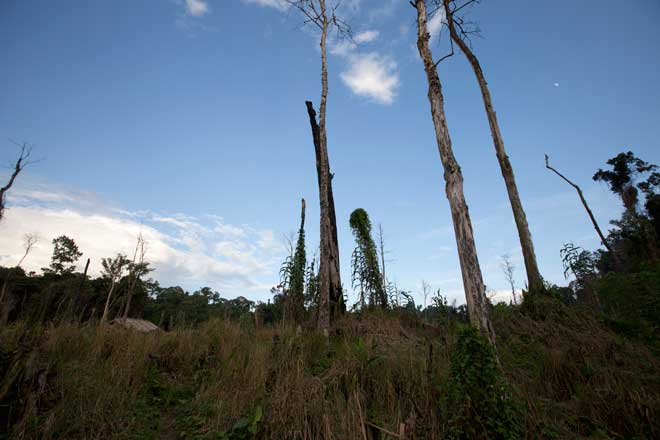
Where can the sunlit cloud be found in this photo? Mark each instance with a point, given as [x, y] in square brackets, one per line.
[185, 250]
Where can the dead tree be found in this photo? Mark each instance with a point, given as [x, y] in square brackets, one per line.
[586, 207]
[459, 31]
[381, 246]
[475, 291]
[21, 163]
[323, 17]
[137, 267]
[29, 240]
[508, 268]
[113, 268]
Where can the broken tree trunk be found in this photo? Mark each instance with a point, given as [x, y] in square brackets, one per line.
[475, 292]
[586, 207]
[329, 279]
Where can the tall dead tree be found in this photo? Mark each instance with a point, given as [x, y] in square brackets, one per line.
[21, 162]
[586, 207]
[460, 35]
[475, 291]
[322, 16]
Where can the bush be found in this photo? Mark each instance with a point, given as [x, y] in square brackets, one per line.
[478, 401]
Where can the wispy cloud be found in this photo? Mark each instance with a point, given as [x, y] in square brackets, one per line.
[281, 5]
[345, 47]
[185, 250]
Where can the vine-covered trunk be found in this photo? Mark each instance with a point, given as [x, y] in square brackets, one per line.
[475, 292]
[527, 245]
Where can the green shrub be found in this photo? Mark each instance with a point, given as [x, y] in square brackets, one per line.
[478, 401]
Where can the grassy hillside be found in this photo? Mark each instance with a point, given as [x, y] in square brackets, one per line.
[568, 374]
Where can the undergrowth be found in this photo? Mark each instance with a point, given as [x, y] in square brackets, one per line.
[563, 374]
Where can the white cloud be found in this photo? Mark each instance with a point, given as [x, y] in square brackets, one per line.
[281, 5]
[238, 260]
[366, 36]
[196, 8]
[345, 47]
[373, 76]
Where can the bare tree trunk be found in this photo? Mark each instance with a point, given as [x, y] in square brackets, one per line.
[382, 255]
[330, 293]
[586, 207]
[534, 278]
[473, 284]
[104, 317]
[135, 275]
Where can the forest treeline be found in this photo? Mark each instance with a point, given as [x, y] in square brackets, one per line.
[575, 361]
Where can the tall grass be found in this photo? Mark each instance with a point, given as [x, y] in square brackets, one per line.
[571, 376]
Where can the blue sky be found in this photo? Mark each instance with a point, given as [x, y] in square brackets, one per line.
[185, 119]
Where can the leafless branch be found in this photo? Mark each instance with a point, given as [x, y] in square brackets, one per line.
[29, 240]
[586, 207]
[21, 163]
[318, 15]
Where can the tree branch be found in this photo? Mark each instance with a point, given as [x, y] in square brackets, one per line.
[21, 163]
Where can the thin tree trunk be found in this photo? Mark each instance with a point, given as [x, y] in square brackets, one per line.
[299, 300]
[586, 207]
[139, 247]
[107, 302]
[82, 282]
[382, 256]
[330, 294]
[473, 284]
[535, 281]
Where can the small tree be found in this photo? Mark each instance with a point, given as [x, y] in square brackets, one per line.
[65, 254]
[113, 270]
[136, 269]
[29, 240]
[293, 275]
[508, 268]
[365, 259]
[426, 291]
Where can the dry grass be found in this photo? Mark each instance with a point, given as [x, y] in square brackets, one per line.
[575, 380]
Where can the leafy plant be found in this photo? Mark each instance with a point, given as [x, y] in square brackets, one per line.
[478, 402]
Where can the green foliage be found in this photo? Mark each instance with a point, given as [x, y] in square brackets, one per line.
[113, 268]
[65, 254]
[478, 402]
[631, 304]
[625, 169]
[245, 428]
[577, 261]
[366, 271]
